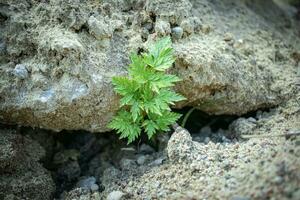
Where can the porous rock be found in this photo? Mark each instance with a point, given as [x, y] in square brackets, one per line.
[21, 174]
[72, 49]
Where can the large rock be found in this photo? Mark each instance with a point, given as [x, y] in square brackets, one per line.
[57, 59]
[21, 174]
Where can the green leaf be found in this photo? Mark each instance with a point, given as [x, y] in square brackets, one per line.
[150, 127]
[161, 80]
[125, 86]
[167, 119]
[135, 111]
[160, 55]
[125, 126]
[145, 94]
[126, 100]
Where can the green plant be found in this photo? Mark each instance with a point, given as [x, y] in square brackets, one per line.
[146, 93]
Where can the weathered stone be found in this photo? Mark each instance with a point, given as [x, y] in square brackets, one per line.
[21, 174]
[72, 49]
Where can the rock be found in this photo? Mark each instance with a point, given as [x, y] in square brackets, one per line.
[146, 149]
[127, 164]
[87, 183]
[228, 37]
[99, 28]
[20, 71]
[157, 162]
[65, 156]
[187, 26]
[21, 174]
[69, 172]
[10, 157]
[115, 195]
[141, 160]
[240, 198]
[75, 48]
[81, 194]
[242, 126]
[177, 32]
[94, 187]
[180, 145]
[162, 28]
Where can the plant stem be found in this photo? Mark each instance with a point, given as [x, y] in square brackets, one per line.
[187, 116]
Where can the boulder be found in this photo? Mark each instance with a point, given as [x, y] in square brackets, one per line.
[57, 59]
[21, 174]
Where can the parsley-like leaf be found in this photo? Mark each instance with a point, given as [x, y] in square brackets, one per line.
[146, 95]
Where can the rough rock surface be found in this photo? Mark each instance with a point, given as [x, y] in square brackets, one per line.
[257, 168]
[21, 174]
[57, 57]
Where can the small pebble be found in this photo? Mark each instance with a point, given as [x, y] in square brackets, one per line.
[240, 198]
[157, 162]
[206, 140]
[115, 195]
[87, 183]
[177, 32]
[141, 160]
[94, 188]
[146, 149]
[228, 37]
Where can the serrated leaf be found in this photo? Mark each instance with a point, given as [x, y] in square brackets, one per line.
[160, 55]
[146, 94]
[124, 86]
[135, 111]
[125, 126]
[160, 80]
[150, 127]
[126, 100]
[167, 119]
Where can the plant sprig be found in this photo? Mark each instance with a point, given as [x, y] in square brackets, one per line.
[146, 93]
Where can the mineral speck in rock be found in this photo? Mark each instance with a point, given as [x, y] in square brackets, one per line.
[115, 195]
[45, 96]
[20, 71]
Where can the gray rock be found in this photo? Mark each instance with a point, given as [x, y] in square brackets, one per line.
[87, 183]
[187, 26]
[94, 187]
[127, 164]
[115, 195]
[146, 149]
[99, 28]
[162, 28]
[240, 198]
[177, 32]
[157, 162]
[2, 47]
[20, 71]
[242, 126]
[21, 174]
[141, 160]
[78, 65]
[180, 146]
